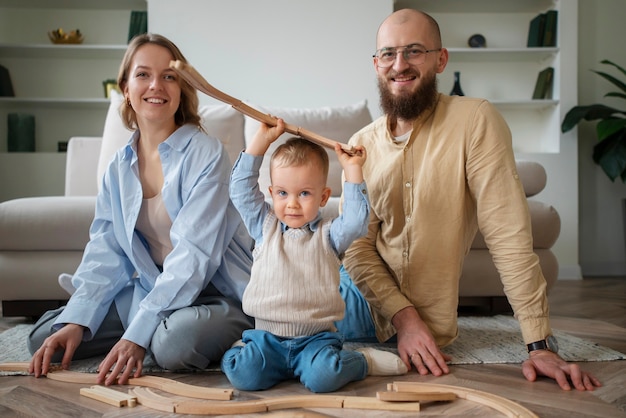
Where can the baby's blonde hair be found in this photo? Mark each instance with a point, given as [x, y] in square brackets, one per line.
[298, 152]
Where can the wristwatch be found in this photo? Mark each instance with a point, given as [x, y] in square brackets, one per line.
[550, 344]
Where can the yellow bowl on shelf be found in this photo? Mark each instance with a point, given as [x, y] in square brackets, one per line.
[59, 36]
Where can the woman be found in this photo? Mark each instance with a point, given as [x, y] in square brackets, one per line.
[168, 257]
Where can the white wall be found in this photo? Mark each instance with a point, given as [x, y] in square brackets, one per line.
[601, 36]
[318, 53]
[279, 52]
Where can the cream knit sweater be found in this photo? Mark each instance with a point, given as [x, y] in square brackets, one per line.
[294, 283]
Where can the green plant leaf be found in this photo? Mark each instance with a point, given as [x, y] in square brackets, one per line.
[614, 65]
[591, 112]
[610, 154]
[606, 128]
[611, 79]
[616, 94]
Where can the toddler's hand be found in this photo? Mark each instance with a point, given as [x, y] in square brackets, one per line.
[264, 137]
[352, 163]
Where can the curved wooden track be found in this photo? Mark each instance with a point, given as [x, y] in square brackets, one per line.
[155, 382]
[511, 409]
[215, 401]
[193, 77]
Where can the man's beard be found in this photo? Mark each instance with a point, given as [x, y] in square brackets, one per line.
[410, 105]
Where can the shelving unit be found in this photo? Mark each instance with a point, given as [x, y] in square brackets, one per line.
[60, 84]
[505, 71]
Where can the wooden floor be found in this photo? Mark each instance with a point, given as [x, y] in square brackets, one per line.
[594, 309]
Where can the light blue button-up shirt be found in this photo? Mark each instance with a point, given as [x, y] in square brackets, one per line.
[210, 243]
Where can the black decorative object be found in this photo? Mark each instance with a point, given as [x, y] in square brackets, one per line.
[21, 132]
[456, 89]
[6, 87]
[477, 41]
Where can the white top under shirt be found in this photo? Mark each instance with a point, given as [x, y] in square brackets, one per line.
[403, 138]
[154, 224]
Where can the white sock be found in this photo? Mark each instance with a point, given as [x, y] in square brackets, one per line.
[65, 280]
[238, 343]
[382, 363]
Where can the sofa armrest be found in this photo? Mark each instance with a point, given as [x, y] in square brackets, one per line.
[51, 223]
[82, 165]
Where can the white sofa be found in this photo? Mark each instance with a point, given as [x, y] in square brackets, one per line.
[41, 237]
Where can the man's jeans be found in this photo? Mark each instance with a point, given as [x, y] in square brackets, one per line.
[357, 324]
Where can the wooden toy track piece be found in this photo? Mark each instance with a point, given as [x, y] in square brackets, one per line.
[110, 396]
[193, 77]
[505, 406]
[393, 396]
[150, 399]
[155, 382]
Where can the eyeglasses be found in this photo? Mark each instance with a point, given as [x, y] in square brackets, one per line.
[413, 54]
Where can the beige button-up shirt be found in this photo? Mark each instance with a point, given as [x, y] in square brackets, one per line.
[428, 195]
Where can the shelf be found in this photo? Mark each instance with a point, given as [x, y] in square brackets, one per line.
[30, 154]
[476, 6]
[86, 51]
[502, 54]
[525, 104]
[92, 103]
[76, 4]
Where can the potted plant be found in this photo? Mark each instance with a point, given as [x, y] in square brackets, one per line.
[610, 151]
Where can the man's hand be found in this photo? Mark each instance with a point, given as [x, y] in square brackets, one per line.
[549, 364]
[124, 357]
[67, 338]
[416, 344]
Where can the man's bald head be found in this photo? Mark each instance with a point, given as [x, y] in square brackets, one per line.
[410, 17]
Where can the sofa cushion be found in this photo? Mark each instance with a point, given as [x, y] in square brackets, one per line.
[218, 120]
[48, 223]
[532, 175]
[337, 123]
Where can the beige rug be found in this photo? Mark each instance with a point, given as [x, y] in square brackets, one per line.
[482, 340]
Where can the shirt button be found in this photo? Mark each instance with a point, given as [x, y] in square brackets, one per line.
[408, 219]
[405, 254]
[407, 184]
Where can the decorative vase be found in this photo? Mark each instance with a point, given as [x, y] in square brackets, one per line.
[456, 89]
[21, 132]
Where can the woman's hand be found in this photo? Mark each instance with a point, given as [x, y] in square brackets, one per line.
[68, 338]
[124, 357]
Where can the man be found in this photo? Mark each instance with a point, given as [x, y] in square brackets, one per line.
[439, 167]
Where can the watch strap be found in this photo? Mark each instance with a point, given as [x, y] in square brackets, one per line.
[538, 345]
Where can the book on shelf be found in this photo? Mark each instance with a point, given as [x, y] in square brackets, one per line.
[549, 32]
[138, 23]
[535, 30]
[543, 86]
[542, 29]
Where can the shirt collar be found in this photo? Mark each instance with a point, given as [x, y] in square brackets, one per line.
[312, 226]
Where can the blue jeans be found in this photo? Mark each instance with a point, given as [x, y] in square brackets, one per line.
[357, 324]
[318, 360]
